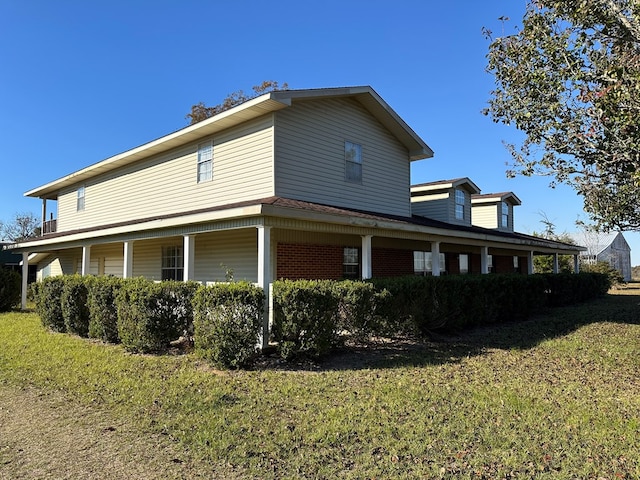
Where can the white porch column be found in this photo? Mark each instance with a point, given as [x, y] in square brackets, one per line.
[484, 260]
[44, 216]
[367, 266]
[127, 267]
[189, 257]
[530, 263]
[556, 263]
[86, 259]
[264, 280]
[576, 264]
[435, 259]
[25, 277]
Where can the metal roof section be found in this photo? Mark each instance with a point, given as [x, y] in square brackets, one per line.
[254, 108]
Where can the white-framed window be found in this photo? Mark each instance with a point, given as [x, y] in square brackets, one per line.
[172, 263]
[505, 215]
[351, 263]
[205, 162]
[353, 162]
[460, 203]
[463, 261]
[490, 263]
[423, 263]
[80, 199]
[516, 263]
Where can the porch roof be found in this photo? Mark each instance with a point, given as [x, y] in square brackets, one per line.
[286, 208]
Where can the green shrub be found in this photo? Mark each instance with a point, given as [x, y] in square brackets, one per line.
[103, 313]
[614, 275]
[33, 290]
[228, 323]
[10, 289]
[305, 317]
[49, 303]
[151, 315]
[361, 308]
[73, 303]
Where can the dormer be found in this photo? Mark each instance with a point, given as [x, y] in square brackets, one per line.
[445, 200]
[494, 210]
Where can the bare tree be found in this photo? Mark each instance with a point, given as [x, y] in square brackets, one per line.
[201, 112]
[23, 226]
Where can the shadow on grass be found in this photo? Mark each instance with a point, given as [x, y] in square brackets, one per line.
[443, 349]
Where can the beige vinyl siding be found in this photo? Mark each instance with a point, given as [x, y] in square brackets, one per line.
[63, 262]
[107, 259]
[214, 253]
[166, 183]
[310, 157]
[436, 206]
[236, 250]
[485, 216]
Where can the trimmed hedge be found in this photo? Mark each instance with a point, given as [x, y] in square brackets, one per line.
[310, 317]
[49, 303]
[73, 303]
[228, 323]
[361, 309]
[305, 317]
[151, 315]
[103, 312]
[10, 289]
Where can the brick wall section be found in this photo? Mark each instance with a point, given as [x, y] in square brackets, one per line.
[503, 264]
[390, 262]
[309, 262]
[324, 262]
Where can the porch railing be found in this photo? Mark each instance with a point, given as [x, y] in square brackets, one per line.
[50, 226]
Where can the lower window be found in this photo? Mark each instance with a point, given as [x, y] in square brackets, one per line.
[423, 263]
[172, 263]
[351, 263]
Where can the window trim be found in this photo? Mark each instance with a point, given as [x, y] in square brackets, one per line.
[175, 254]
[504, 222]
[349, 163]
[81, 194]
[460, 214]
[466, 256]
[349, 251]
[204, 168]
[427, 263]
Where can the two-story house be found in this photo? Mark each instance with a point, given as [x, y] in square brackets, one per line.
[291, 184]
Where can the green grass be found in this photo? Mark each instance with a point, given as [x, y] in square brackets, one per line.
[558, 397]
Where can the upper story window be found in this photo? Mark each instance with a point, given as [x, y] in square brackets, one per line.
[353, 161]
[505, 215]
[460, 204]
[80, 199]
[172, 263]
[205, 162]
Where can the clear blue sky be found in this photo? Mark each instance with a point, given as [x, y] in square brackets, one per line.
[81, 81]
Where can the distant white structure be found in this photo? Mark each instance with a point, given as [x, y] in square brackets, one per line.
[605, 247]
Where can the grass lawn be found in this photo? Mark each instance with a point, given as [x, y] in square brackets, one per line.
[555, 397]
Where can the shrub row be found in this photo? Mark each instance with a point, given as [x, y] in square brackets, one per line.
[10, 287]
[309, 316]
[146, 316]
